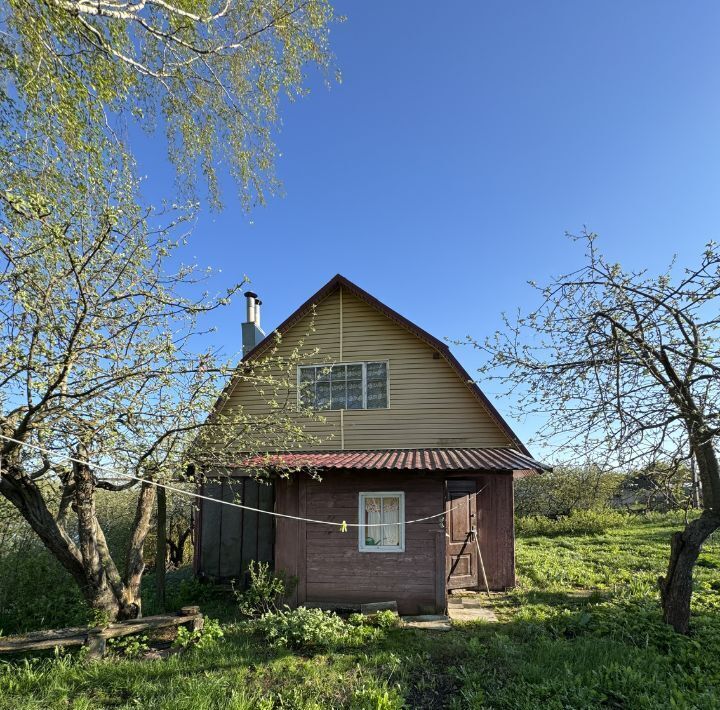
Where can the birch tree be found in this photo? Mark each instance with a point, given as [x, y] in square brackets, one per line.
[209, 74]
[624, 367]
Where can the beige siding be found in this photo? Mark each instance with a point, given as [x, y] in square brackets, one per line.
[429, 405]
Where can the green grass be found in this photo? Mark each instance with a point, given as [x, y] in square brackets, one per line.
[582, 630]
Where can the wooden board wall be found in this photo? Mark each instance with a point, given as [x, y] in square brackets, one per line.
[231, 537]
[496, 528]
[328, 563]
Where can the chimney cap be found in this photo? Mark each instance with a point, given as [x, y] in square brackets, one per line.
[250, 294]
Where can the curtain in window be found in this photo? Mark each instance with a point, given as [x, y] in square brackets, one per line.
[373, 517]
[390, 515]
[376, 381]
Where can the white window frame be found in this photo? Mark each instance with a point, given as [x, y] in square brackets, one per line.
[362, 547]
[364, 364]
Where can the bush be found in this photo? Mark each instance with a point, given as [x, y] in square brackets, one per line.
[309, 629]
[385, 619]
[579, 522]
[265, 590]
[134, 646]
[201, 638]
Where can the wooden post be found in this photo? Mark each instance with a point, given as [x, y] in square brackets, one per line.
[440, 571]
[95, 644]
[160, 552]
[197, 621]
[480, 560]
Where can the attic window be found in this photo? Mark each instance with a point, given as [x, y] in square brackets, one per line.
[353, 385]
[382, 522]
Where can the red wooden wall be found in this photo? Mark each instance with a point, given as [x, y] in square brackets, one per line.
[329, 566]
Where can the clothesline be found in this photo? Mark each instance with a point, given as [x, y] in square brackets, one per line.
[342, 525]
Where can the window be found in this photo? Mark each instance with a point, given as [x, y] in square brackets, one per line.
[382, 522]
[357, 385]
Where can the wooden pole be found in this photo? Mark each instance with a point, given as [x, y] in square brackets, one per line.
[160, 549]
[482, 564]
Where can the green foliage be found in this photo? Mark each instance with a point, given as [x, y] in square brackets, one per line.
[134, 646]
[308, 629]
[211, 75]
[266, 590]
[565, 489]
[579, 522]
[202, 638]
[386, 619]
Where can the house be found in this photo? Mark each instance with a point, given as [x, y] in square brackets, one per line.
[407, 435]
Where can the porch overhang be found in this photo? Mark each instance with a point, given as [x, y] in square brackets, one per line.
[445, 459]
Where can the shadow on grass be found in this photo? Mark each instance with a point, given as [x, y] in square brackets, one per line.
[554, 648]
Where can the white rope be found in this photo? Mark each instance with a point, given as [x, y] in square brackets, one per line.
[180, 491]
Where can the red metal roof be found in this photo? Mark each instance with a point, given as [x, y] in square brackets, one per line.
[504, 459]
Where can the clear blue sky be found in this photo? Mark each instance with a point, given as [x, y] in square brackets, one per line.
[465, 139]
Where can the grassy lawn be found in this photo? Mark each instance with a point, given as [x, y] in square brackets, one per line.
[582, 630]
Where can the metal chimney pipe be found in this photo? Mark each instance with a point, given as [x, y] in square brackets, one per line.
[258, 303]
[251, 306]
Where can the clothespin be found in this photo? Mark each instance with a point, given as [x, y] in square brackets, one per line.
[343, 527]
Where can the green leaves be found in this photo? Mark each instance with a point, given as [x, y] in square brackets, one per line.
[210, 76]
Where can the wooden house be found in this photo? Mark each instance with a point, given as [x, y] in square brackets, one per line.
[407, 435]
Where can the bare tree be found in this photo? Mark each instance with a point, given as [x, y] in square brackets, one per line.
[626, 367]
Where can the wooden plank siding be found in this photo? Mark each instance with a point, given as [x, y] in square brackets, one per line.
[230, 537]
[328, 563]
[429, 405]
[496, 528]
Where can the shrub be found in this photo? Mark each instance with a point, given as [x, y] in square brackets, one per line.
[200, 638]
[130, 646]
[265, 590]
[579, 522]
[309, 629]
[385, 619]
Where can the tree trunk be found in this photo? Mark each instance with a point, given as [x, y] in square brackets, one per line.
[88, 560]
[161, 548]
[134, 563]
[103, 588]
[676, 586]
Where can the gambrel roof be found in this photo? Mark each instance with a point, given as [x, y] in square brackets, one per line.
[440, 347]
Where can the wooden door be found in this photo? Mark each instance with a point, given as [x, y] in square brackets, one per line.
[462, 562]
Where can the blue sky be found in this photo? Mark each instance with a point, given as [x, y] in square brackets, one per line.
[465, 139]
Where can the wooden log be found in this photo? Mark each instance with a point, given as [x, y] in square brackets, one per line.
[41, 640]
[79, 636]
